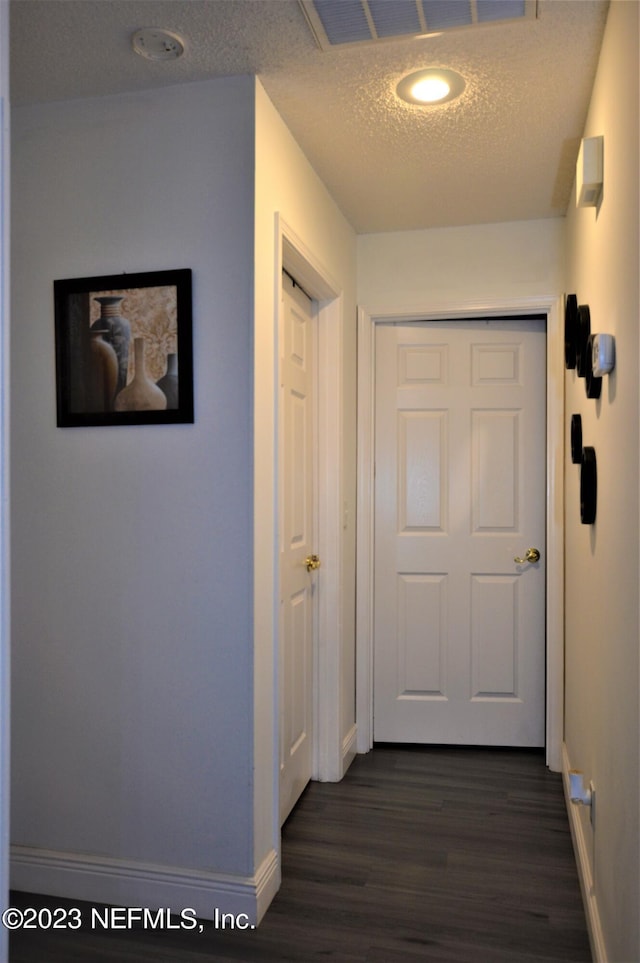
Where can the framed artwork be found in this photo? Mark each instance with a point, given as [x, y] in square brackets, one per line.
[124, 349]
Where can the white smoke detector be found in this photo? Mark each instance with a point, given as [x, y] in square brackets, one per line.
[154, 43]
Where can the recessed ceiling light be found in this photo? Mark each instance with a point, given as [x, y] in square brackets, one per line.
[155, 43]
[430, 87]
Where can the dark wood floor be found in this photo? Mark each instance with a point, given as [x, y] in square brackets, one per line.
[445, 855]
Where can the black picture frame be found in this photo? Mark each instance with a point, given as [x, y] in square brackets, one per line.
[576, 439]
[99, 322]
[570, 330]
[583, 357]
[588, 486]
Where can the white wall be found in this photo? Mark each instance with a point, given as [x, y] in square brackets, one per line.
[602, 568]
[401, 272]
[138, 650]
[132, 621]
[287, 185]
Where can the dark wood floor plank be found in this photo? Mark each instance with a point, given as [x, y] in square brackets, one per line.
[432, 854]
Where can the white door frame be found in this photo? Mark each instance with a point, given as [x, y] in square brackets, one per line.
[4, 471]
[296, 258]
[550, 306]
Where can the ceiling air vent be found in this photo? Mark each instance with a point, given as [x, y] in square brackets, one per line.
[335, 22]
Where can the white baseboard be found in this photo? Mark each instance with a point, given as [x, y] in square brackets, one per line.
[122, 883]
[596, 938]
[267, 883]
[349, 748]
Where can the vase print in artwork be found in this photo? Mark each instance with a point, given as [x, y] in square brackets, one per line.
[102, 382]
[118, 332]
[141, 394]
[169, 382]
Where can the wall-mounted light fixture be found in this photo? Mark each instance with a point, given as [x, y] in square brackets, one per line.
[590, 172]
[430, 87]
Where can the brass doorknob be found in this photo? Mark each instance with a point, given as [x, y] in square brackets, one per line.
[312, 562]
[531, 555]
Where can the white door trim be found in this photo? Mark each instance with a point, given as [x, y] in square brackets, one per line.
[367, 319]
[299, 261]
[4, 471]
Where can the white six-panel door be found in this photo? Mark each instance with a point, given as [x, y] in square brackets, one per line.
[459, 649]
[297, 584]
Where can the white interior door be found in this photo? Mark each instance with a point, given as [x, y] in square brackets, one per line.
[297, 537]
[459, 649]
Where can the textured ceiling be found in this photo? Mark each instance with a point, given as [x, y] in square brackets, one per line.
[505, 150]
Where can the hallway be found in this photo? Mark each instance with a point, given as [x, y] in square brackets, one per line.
[420, 854]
